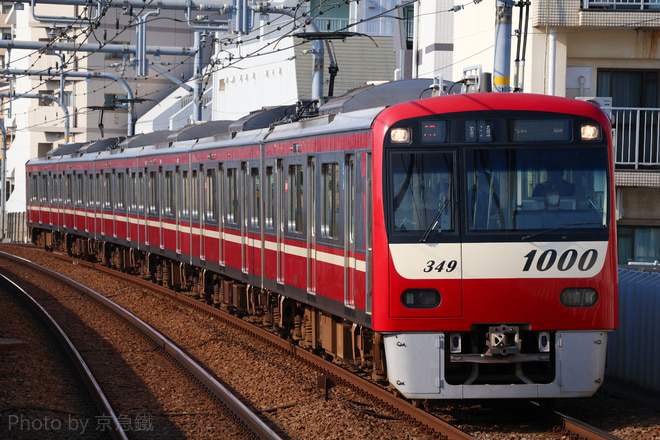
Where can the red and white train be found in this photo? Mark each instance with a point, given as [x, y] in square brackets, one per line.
[462, 246]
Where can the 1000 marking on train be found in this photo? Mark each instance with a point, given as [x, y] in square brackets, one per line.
[567, 260]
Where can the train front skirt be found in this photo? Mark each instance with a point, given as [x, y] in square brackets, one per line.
[579, 365]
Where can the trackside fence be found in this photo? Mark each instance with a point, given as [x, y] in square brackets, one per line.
[16, 228]
[633, 352]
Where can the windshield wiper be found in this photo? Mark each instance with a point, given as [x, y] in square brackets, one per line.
[562, 226]
[434, 222]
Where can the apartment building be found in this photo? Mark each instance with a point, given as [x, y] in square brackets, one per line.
[66, 101]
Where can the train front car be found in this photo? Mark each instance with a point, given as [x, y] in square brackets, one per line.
[498, 235]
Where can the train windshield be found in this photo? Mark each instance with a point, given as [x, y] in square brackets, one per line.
[500, 190]
[422, 188]
[536, 188]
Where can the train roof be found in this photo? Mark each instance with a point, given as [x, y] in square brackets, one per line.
[378, 95]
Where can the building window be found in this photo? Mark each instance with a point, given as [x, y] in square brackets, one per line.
[638, 244]
[630, 88]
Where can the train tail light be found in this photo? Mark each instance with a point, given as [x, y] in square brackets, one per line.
[544, 342]
[578, 297]
[421, 298]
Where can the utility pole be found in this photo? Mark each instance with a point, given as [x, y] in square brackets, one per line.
[502, 66]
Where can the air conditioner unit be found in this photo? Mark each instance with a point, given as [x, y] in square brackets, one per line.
[601, 101]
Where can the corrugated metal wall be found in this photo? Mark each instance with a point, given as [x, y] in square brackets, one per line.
[633, 354]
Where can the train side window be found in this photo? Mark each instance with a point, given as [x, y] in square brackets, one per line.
[153, 193]
[232, 196]
[68, 189]
[99, 190]
[185, 194]
[269, 201]
[330, 202]
[121, 191]
[44, 188]
[211, 196]
[132, 192]
[296, 198]
[80, 193]
[255, 212]
[140, 193]
[107, 191]
[168, 198]
[194, 194]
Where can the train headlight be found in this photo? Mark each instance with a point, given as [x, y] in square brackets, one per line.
[578, 297]
[589, 132]
[421, 298]
[400, 135]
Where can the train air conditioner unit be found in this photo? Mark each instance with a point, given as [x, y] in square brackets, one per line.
[604, 102]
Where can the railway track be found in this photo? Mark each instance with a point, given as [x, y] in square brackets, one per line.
[18, 421]
[249, 425]
[330, 374]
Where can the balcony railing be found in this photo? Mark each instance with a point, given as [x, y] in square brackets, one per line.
[381, 26]
[621, 4]
[636, 133]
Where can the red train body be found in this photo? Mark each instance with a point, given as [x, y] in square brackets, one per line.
[410, 239]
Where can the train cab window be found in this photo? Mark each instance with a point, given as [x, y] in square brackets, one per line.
[255, 211]
[422, 188]
[232, 196]
[296, 214]
[536, 188]
[168, 197]
[269, 195]
[211, 196]
[330, 203]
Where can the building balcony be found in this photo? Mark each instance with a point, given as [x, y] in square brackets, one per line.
[622, 4]
[597, 13]
[636, 136]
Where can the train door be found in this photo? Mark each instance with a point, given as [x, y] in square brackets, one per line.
[222, 200]
[244, 217]
[182, 211]
[195, 217]
[350, 219]
[97, 203]
[311, 225]
[140, 193]
[280, 178]
[255, 256]
[368, 231]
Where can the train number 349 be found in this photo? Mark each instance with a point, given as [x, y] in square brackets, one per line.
[446, 266]
[567, 260]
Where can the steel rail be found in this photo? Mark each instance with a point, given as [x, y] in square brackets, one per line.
[101, 401]
[250, 419]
